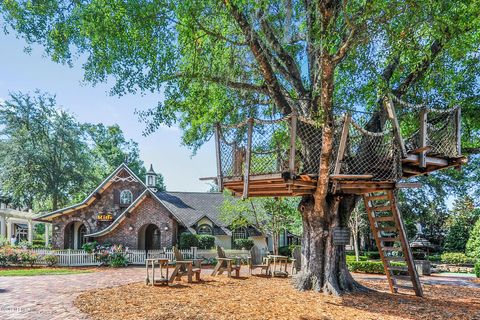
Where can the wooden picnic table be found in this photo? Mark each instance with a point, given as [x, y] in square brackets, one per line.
[281, 262]
[162, 264]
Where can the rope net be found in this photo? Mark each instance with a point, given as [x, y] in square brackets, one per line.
[377, 154]
[441, 128]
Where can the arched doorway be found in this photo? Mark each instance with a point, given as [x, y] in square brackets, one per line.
[149, 237]
[74, 237]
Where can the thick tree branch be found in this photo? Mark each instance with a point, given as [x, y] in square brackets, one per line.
[223, 81]
[293, 72]
[256, 47]
[435, 49]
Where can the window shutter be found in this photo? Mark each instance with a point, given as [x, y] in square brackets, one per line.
[116, 196]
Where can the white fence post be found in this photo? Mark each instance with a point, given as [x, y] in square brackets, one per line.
[69, 257]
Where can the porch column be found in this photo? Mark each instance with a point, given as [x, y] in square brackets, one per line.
[9, 228]
[30, 231]
[47, 234]
[3, 231]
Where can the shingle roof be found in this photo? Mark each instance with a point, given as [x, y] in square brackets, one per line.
[190, 207]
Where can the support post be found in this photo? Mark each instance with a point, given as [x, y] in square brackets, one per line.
[3, 231]
[458, 120]
[30, 232]
[293, 146]
[396, 127]
[422, 156]
[47, 234]
[219, 157]
[246, 175]
[341, 148]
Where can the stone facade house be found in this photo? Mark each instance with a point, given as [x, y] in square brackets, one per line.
[125, 210]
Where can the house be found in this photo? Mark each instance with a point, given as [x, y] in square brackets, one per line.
[125, 210]
[19, 223]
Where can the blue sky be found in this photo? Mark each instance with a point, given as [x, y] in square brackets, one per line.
[24, 72]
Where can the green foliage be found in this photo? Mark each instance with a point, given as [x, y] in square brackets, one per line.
[4, 241]
[374, 255]
[187, 240]
[435, 258]
[246, 244]
[351, 258]
[114, 256]
[50, 259]
[39, 138]
[473, 244]
[455, 258]
[287, 250]
[460, 223]
[40, 243]
[477, 269]
[205, 241]
[375, 267]
[89, 247]
[17, 256]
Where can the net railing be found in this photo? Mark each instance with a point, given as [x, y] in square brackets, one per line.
[441, 133]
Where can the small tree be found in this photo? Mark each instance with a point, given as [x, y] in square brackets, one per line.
[269, 215]
[356, 223]
[460, 223]
[473, 244]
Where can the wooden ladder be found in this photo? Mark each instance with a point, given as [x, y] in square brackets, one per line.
[391, 239]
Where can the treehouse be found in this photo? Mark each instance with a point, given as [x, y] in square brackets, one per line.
[281, 157]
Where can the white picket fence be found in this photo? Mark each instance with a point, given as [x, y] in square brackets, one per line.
[77, 258]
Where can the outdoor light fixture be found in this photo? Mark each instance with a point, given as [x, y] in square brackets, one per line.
[130, 228]
[166, 228]
[56, 228]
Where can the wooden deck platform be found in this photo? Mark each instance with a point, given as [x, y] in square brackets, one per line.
[284, 185]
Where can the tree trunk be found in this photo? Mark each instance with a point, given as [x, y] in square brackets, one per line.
[324, 267]
[355, 246]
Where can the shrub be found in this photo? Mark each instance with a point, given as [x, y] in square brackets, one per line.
[351, 258]
[89, 246]
[375, 267]
[246, 244]
[27, 258]
[455, 258]
[374, 255]
[206, 241]
[287, 250]
[477, 269]
[38, 243]
[50, 259]
[187, 240]
[118, 257]
[435, 258]
[4, 241]
[473, 245]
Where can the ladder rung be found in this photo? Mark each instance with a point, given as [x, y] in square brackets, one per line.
[403, 286]
[385, 218]
[387, 229]
[378, 197]
[389, 239]
[392, 249]
[382, 208]
[398, 268]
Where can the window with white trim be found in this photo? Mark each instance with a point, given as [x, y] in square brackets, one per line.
[126, 197]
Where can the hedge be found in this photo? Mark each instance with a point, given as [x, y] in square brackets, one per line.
[287, 250]
[455, 258]
[188, 240]
[244, 243]
[375, 267]
[477, 269]
[205, 241]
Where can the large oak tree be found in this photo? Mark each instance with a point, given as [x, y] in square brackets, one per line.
[224, 60]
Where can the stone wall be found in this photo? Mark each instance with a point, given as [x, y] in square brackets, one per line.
[88, 216]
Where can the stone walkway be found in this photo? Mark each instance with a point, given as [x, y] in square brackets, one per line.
[52, 296]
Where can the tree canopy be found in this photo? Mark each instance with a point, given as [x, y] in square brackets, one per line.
[48, 159]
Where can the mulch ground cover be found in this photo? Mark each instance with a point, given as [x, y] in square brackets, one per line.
[266, 298]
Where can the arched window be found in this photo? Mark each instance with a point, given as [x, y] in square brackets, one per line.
[239, 233]
[205, 229]
[126, 197]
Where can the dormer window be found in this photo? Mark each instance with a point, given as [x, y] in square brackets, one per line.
[204, 229]
[126, 197]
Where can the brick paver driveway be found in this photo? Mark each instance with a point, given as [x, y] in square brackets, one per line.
[52, 297]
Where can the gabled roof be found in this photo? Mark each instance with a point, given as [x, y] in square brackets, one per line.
[91, 197]
[190, 207]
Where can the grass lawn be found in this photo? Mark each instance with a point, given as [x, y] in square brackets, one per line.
[13, 272]
[266, 298]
